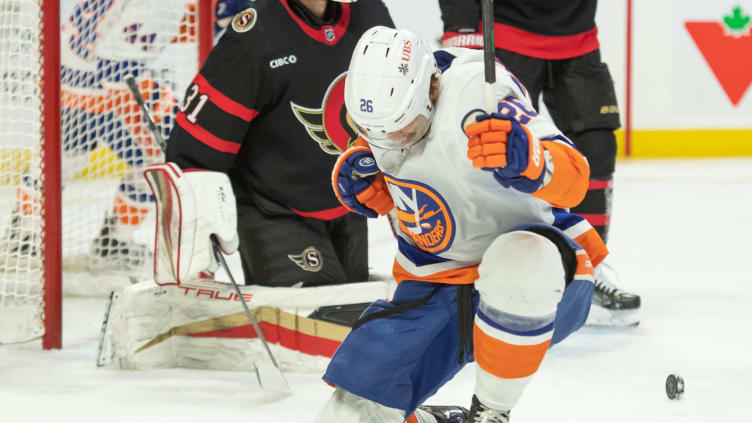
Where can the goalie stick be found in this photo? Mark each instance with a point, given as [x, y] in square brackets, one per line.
[270, 377]
[489, 53]
[130, 80]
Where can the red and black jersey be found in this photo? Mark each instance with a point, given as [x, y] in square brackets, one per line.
[267, 106]
[546, 29]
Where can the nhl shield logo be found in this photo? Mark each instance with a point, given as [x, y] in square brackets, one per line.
[330, 125]
[244, 21]
[329, 33]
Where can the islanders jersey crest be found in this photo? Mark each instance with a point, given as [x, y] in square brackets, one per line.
[423, 214]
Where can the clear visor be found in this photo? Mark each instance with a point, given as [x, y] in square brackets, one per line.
[400, 138]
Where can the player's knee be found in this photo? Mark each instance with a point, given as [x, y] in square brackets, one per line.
[521, 273]
[599, 147]
[344, 407]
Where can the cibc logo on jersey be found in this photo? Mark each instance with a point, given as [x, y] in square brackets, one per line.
[423, 214]
[330, 125]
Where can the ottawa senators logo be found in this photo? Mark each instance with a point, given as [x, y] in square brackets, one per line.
[309, 260]
[244, 21]
[423, 214]
[330, 125]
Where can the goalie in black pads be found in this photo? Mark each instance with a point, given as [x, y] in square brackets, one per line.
[267, 108]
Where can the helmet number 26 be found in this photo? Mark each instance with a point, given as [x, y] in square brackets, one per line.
[366, 105]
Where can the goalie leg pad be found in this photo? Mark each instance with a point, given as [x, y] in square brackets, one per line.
[200, 324]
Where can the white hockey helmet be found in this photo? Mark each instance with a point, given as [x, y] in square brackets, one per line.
[388, 84]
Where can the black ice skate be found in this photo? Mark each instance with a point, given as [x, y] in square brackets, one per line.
[446, 413]
[479, 413]
[612, 307]
[18, 245]
[108, 251]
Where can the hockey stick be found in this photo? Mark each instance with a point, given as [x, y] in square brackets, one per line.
[130, 80]
[103, 332]
[489, 53]
[269, 377]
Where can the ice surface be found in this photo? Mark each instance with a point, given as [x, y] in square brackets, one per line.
[681, 238]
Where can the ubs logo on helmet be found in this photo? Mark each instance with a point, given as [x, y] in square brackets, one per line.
[330, 125]
[423, 214]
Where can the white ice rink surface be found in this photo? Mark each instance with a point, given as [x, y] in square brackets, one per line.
[681, 238]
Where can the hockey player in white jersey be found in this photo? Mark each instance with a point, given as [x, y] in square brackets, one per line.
[491, 266]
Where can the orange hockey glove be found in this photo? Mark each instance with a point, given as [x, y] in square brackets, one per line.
[503, 146]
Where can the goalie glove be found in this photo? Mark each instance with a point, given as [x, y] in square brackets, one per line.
[191, 207]
[503, 146]
[359, 184]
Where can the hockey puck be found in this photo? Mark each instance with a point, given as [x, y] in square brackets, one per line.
[674, 387]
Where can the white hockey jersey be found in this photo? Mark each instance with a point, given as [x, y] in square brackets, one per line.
[449, 212]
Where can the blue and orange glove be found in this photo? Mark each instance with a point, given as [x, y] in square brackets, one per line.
[505, 147]
[359, 184]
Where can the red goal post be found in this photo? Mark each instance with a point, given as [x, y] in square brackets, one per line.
[70, 141]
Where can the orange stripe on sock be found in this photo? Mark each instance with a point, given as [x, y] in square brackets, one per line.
[504, 360]
[584, 265]
[594, 245]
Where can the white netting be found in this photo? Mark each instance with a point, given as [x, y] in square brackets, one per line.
[107, 223]
[20, 143]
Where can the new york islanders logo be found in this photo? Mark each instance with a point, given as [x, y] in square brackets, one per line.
[423, 214]
[329, 125]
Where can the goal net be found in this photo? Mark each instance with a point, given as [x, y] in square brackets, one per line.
[106, 233]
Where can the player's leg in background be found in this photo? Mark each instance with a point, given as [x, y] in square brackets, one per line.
[280, 248]
[520, 280]
[531, 72]
[349, 236]
[582, 103]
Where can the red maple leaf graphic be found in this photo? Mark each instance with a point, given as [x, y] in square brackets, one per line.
[729, 56]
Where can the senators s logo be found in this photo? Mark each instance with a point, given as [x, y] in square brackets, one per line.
[330, 125]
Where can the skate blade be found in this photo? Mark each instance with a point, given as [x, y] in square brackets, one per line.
[604, 318]
[271, 378]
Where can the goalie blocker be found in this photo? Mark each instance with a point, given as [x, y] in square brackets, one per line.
[183, 319]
